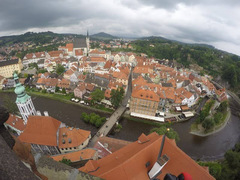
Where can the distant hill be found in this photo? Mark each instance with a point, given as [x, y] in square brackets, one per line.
[165, 40]
[37, 38]
[103, 36]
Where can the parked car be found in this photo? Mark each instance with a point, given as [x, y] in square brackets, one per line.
[77, 100]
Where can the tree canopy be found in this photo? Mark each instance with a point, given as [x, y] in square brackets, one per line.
[97, 95]
[171, 134]
[116, 96]
[60, 69]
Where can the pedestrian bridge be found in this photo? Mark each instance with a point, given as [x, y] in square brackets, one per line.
[107, 127]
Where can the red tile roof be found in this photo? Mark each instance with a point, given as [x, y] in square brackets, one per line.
[64, 83]
[108, 65]
[73, 137]
[41, 130]
[145, 94]
[107, 93]
[84, 154]
[16, 122]
[95, 51]
[97, 59]
[130, 161]
[78, 52]
[69, 47]
[55, 53]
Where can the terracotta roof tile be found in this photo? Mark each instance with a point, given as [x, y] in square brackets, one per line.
[84, 154]
[16, 122]
[73, 137]
[130, 162]
[145, 94]
[41, 130]
[107, 93]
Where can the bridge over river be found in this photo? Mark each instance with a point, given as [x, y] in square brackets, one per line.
[107, 127]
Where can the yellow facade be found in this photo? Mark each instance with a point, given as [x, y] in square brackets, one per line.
[8, 70]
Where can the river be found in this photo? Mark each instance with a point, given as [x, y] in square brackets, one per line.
[205, 148]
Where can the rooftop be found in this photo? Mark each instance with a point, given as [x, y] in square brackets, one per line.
[41, 130]
[136, 159]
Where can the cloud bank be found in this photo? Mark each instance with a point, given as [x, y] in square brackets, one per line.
[212, 22]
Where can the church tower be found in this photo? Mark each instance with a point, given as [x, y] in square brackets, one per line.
[23, 101]
[88, 43]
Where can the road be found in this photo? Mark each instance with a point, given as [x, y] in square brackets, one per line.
[107, 127]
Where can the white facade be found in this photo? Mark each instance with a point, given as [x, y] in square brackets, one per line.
[26, 109]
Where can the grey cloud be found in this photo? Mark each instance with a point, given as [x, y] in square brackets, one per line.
[208, 21]
[172, 4]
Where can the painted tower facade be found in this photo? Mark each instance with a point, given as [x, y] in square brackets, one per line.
[23, 101]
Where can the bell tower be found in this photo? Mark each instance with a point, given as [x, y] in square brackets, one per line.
[23, 101]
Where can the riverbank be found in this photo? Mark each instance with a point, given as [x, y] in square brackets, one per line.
[216, 129]
[153, 123]
[62, 98]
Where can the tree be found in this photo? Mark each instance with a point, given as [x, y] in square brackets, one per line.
[56, 89]
[231, 164]
[10, 105]
[218, 117]
[93, 118]
[116, 96]
[64, 90]
[97, 95]
[59, 69]
[98, 122]
[171, 134]
[66, 161]
[223, 106]
[85, 117]
[208, 123]
[215, 168]
[25, 75]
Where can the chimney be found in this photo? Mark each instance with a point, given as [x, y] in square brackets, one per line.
[45, 113]
[160, 163]
[38, 113]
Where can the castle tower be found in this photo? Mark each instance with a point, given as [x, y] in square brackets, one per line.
[88, 43]
[23, 101]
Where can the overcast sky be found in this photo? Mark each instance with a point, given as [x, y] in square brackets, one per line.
[215, 22]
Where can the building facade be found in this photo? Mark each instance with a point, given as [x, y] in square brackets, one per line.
[8, 67]
[144, 102]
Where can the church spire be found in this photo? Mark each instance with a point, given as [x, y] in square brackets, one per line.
[23, 100]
